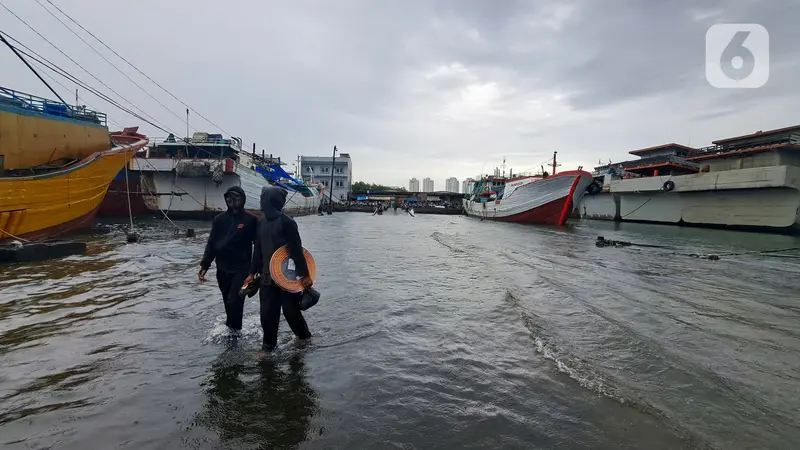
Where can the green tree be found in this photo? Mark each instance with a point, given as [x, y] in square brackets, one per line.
[361, 186]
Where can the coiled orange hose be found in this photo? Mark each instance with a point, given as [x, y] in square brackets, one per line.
[278, 276]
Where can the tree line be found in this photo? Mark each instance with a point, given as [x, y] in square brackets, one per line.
[360, 186]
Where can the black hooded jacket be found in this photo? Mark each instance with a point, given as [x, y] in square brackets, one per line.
[231, 239]
[275, 230]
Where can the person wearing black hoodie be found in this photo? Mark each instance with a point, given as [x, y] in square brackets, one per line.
[275, 230]
[231, 244]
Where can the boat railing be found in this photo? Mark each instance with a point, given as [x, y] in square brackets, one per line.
[233, 143]
[656, 160]
[792, 139]
[48, 107]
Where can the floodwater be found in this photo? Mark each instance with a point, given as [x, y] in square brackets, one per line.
[432, 332]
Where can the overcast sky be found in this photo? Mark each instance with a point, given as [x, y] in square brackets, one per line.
[422, 88]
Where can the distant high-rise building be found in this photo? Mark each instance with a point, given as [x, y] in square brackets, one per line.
[467, 185]
[413, 185]
[451, 185]
[427, 185]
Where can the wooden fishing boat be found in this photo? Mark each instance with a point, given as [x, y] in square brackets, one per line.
[187, 177]
[56, 164]
[530, 199]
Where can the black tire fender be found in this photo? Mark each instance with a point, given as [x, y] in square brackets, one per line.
[668, 185]
[594, 188]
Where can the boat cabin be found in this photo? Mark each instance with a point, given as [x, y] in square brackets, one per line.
[493, 188]
[778, 147]
[201, 145]
[667, 159]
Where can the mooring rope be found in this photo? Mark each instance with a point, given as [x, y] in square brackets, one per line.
[13, 236]
[128, 191]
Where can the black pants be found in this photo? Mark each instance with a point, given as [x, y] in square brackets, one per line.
[272, 300]
[229, 285]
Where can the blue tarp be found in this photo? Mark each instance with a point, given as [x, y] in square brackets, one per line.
[361, 197]
[274, 172]
[411, 200]
[285, 186]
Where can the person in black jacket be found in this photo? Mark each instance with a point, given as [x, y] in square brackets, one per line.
[275, 230]
[231, 244]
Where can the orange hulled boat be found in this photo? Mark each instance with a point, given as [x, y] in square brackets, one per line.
[56, 164]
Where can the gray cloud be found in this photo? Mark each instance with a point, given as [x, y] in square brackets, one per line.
[424, 88]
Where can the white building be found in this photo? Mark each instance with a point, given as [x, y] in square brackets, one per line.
[467, 185]
[413, 185]
[451, 185]
[427, 185]
[318, 169]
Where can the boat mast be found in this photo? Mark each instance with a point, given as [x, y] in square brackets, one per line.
[554, 164]
[186, 141]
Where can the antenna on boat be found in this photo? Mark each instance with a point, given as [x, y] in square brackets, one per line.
[186, 142]
[13, 49]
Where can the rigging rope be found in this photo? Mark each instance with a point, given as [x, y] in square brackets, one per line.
[13, 236]
[110, 63]
[128, 190]
[44, 62]
[136, 68]
[53, 67]
[73, 61]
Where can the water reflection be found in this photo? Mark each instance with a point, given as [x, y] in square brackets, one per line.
[264, 403]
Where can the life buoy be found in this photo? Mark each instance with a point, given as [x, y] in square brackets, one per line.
[593, 188]
[668, 185]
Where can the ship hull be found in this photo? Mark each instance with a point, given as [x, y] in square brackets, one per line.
[115, 204]
[546, 201]
[761, 199]
[62, 201]
[159, 191]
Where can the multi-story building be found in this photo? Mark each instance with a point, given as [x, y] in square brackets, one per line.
[413, 185]
[427, 185]
[467, 185]
[451, 185]
[318, 169]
